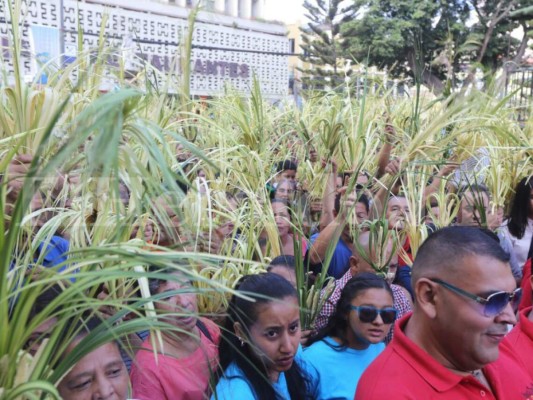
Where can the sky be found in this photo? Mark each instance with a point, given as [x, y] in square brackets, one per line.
[288, 11]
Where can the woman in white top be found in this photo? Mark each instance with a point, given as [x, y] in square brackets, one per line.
[519, 226]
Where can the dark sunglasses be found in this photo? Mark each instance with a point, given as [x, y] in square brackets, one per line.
[370, 313]
[494, 304]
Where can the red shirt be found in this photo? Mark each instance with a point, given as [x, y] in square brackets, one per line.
[405, 371]
[521, 340]
[170, 378]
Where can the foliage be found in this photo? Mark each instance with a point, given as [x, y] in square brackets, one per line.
[322, 43]
[450, 40]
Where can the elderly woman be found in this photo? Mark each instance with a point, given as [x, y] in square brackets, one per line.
[180, 366]
[100, 374]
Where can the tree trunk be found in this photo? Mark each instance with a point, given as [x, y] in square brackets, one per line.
[432, 81]
[495, 20]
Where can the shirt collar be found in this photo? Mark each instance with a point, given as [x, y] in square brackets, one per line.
[525, 324]
[434, 373]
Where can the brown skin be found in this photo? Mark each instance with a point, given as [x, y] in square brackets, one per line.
[274, 336]
[452, 328]
[338, 228]
[361, 334]
[179, 344]
[101, 374]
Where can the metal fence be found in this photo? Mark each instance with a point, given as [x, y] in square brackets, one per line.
[520, 85]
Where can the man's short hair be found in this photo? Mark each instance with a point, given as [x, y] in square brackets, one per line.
[445, 248]
[361, 198]
[284, 261]
[286, 165]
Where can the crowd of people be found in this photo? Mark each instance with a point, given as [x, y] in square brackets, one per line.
[451, 319]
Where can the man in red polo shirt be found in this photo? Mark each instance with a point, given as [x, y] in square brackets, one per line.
[449, 347]
[521, 338]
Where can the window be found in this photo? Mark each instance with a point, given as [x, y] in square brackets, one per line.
[292, 46]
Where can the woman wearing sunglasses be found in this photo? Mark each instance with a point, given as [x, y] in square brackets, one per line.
[353, 337]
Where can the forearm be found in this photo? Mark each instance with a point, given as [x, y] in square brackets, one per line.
[330, 234]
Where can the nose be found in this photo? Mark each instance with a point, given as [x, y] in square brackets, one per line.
[507, 316]
[378, 320]
[286, 345]
[103, 389]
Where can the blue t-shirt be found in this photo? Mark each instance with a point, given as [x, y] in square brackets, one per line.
[339, 260]
[235, 386]
[339, 370]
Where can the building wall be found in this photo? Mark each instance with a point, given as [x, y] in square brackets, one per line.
[226, 49]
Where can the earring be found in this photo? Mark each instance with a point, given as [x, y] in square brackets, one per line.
[241, 340]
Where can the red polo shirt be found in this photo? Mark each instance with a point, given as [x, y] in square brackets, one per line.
[405, 371]
[521, 340]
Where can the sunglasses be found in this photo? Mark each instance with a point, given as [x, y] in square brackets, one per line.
[369, 314]
[494, 304]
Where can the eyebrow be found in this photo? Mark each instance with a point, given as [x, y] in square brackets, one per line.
[115, 363]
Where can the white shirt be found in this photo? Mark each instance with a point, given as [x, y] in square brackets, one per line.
[520, 246]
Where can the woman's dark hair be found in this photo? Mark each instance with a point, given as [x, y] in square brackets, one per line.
[338, 322]
[263, 288]
[520, 207]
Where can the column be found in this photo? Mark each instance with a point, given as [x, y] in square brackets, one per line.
[233, 8]
[220, 6]
[258, 8]
[245, 9]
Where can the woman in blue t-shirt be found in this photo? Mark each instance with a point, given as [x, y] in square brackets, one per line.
[258, 351]
[353, 337]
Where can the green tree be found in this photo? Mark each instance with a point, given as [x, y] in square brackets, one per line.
[433, 40]
[322, 42]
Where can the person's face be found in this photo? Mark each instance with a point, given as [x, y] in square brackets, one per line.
[226, 229]
[362, 180]
[285, 190]
[101, 374]
[315, 206]
[359, 214]
[182, 154]
[361, 334]
[397, 211]
[178, 309]
[275, 335]
[282, 218]
[169, 228]
[470, 209]
[465, 337]
[289, 174]
[40, 333]
[434, 216]
[286, 272]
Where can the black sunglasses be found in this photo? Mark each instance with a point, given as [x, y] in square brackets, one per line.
[370, 313]
[494, 304]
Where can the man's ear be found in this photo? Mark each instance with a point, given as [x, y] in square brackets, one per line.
[354, 265]
[427, 297]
